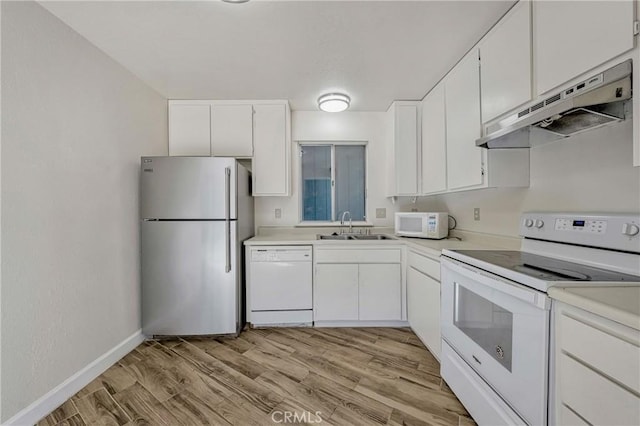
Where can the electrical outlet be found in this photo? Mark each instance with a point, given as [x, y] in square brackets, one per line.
[476, 213]
[381, 213]
[278, 213]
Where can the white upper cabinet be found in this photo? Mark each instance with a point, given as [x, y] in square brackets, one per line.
[505, 58]
[189, 130]
[462, 100]
[260, 130]
[406, 141]
[271, 152]
[572, 37]
[434, 142]
[232, 130]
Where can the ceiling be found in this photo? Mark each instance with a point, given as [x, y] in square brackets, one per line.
[375, 51]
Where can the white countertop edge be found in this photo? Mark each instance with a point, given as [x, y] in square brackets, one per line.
[571, 296]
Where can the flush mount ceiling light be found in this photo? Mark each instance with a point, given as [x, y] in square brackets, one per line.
[235, 1]
[334, 102]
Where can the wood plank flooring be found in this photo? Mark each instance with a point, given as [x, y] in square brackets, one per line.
[329, 376]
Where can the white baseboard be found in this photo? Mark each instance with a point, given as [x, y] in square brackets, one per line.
[65, 390]
[361, 324]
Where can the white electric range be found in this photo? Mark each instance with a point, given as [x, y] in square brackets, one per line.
[495, 311]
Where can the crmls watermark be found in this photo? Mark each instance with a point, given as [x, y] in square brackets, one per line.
[295, 417]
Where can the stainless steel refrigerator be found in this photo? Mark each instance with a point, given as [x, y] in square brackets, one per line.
[195, 213]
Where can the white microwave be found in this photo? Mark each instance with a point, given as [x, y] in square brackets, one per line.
[422, 225]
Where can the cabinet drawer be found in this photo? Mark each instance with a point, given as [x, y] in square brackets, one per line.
[569, 418]
[424, 264]
[611, 355]
[595, 398]
[358, 255]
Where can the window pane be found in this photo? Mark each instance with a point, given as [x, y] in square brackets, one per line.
[350, 181]
[316, 182]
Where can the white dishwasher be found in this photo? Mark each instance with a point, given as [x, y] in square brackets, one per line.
[280, 286]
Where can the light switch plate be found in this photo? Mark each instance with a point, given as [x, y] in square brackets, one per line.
[381, 213]
[278, 213]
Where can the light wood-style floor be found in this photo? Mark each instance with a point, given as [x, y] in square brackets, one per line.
[343, 376]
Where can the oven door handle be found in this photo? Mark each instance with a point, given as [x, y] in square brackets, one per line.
[498, 283]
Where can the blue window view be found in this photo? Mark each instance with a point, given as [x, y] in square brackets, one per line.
[347, 162]
[316, 182]
[350, 178]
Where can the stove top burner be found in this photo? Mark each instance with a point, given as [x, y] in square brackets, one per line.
[546, 268]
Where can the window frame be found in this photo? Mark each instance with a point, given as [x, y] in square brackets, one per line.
[333, 144]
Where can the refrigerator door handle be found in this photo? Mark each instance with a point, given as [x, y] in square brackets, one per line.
[227, 219]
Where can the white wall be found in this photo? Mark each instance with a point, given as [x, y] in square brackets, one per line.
[586, 173]
[345, 126]
[74, 125]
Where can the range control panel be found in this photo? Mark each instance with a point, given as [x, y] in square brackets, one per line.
[581, 225]
[613, 231]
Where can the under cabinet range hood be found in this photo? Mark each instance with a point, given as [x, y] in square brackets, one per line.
[592, 103]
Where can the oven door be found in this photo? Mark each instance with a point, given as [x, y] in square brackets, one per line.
[501, 329]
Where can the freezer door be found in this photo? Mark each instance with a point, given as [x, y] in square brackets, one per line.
[187, 187]
[185, 287]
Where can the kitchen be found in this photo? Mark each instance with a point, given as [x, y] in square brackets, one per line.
[71, 303]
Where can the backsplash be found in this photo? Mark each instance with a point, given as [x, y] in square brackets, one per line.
[589, 173]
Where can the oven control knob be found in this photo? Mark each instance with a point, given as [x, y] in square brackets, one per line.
[539, 223]
[630, 229]
[528, 223]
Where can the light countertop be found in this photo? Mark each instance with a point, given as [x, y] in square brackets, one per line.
[431, 248]
[615, 302]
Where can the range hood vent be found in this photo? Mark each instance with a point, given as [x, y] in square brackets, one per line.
[595, 102]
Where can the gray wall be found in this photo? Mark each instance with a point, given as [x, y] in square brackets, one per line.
[74, 124]
[591, 172]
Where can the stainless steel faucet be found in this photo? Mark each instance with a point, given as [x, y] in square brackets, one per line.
[350, 222]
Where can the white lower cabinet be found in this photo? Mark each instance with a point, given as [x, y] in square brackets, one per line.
[335, 293]
[379, 292]
[358, 285]
[597, 369]
[423, 300]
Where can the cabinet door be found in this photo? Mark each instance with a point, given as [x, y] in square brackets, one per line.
[270, 151]
[335, 292]
[572, 37]
[462, 94]
[380, 292]
[406, 149]
[434, 143]
[189, 130]
[232, 130]
[423, 309]
[505, 57]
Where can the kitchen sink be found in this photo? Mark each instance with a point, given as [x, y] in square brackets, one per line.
[353, 237]
[335, 237]
[371, 237]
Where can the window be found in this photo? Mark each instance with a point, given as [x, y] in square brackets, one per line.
[333, 181]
